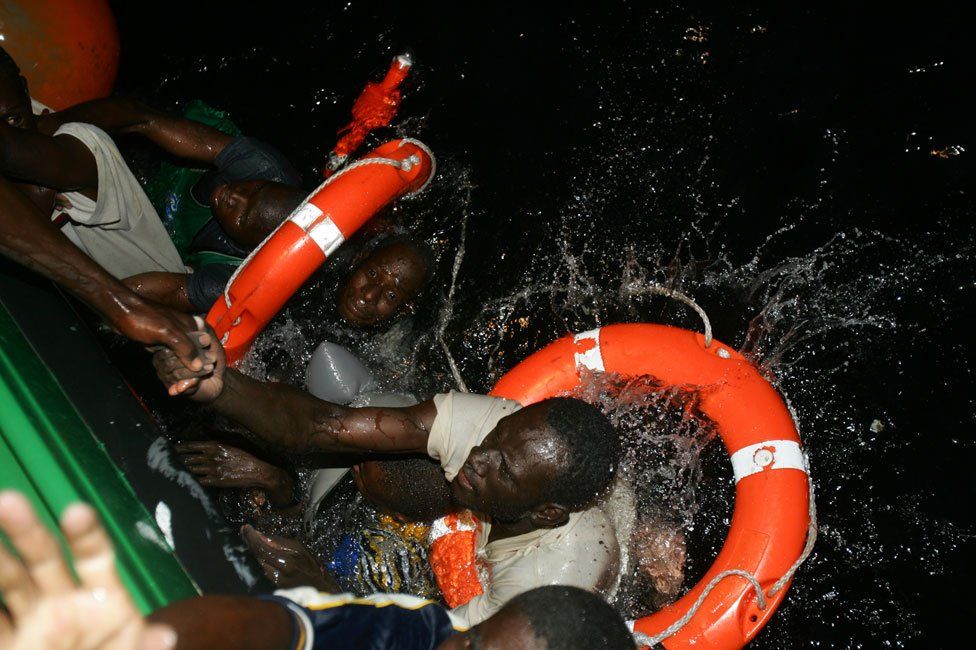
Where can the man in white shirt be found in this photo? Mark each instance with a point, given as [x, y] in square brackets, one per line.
[530, 473]
[33, 168]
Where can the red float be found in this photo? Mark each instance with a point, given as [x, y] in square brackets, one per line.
[68, 51]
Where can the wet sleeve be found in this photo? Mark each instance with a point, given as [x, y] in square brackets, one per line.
[207, 283]
[463, 420]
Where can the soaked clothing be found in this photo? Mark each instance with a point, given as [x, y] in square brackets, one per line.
[182, 197]
[583, 553]
[380, 621]
[383, 556]
[120, 230]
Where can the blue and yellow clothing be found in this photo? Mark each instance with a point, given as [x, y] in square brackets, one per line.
[394, 621]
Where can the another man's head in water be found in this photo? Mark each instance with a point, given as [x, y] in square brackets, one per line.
[549, 618]
[249, 210]
[540, 464]
[384, 282]
[409, 489]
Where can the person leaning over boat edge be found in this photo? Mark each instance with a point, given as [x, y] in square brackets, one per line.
[28, 237]
[532, 473]
[47, 607]
[214, 216]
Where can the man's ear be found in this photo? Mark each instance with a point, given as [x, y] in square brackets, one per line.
[549, 515]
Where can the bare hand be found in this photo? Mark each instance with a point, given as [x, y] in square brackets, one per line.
[47, 608]
[201, 386]
[287, 562]
[183, 335]
[217, 464]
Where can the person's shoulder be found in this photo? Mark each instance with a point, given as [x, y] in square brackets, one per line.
[87, 133]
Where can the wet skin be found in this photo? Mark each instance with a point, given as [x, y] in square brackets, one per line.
[381, 284]
[506, 630]
[249, 210]
[368, 479]
[287, 562]
[220, 465]
[506, 475]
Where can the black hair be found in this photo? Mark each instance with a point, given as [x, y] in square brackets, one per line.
[420, 248]
[415, 488]
[566, 618]
[592, 446]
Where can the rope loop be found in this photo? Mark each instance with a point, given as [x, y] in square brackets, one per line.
[674, 294]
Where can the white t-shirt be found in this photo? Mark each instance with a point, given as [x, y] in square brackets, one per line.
[121, 230]
[583, 553]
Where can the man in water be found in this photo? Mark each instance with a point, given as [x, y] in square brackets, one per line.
[47, 607]
[530, 474]
[33, 166]
[214, 217]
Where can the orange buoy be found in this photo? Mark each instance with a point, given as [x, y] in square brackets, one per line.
[329, 216]
[68, 51]
[771, 522]
[452, 557]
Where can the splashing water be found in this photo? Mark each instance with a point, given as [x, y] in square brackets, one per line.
[707, 151]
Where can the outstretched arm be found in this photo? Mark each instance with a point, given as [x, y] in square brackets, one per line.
[298, 422]
[176, 135]
[292, 420]
[27, 237]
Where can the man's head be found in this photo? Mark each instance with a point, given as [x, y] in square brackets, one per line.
[15, 104]
[249, 210]
[408, 489]
[549, 618]
[384, 282]
[540, 463]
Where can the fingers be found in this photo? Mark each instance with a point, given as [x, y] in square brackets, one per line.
[37, 547]
[209, 447]
[158, 637]
[91, 548]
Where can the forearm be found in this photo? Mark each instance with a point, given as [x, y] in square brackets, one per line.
[207, 622]
[176, 135]
[30, 239]
[293, 420]
[169, 289]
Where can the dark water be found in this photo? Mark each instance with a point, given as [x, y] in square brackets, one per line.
[804, 173]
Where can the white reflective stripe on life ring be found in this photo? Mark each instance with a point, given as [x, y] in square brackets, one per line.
[591, 359]
[769, 455]
[320, 228]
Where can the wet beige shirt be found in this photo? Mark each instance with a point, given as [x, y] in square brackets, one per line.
[121, 230]
[582, 553]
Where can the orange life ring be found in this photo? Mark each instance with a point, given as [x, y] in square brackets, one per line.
[772, 500]
[329, 216]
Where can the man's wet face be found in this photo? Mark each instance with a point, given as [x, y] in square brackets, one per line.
[506, 475]
[15, 106]
[249, 210]
[385, 281]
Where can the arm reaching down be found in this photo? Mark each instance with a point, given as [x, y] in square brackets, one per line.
[168, 289]
[28, 238]
[175, 135]
[292, 420]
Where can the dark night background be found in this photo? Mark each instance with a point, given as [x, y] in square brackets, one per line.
[532, 98]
